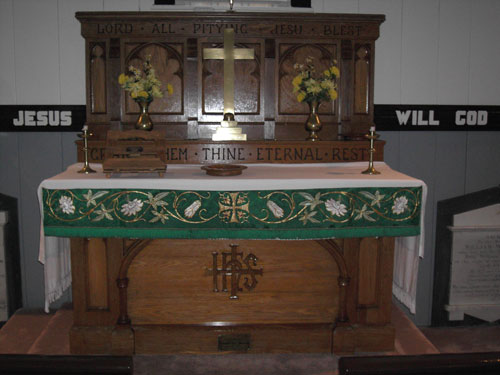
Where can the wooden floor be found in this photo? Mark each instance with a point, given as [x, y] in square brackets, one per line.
[35, 332]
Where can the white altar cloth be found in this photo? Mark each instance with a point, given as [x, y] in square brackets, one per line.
[54, 252]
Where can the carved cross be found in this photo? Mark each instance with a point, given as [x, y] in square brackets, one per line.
[228, 54]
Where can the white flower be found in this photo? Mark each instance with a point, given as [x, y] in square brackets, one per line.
[102, 213]
[91, 198]
[364, 213]
[376, 199]
[132, 207]
[400, 205]
[66, 205]
[335, 207]
[311, 201]
[275, 209]
[191, 210]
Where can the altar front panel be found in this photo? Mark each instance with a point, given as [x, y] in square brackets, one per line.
[298, 275]
[311, 296]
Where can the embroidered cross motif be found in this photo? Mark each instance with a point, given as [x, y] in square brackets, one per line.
[233, 207]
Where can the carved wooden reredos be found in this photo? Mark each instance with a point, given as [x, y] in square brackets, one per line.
[265, 105]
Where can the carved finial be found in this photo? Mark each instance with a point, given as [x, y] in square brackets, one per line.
[231, 3]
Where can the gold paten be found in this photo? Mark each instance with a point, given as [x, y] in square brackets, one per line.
[372, 137]
[229, 130]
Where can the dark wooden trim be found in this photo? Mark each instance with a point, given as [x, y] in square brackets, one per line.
[343, 279]
[234, 152]
[65, 364]
[458, 363]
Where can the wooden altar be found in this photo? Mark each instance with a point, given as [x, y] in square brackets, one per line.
[281, 258]
[183, 294]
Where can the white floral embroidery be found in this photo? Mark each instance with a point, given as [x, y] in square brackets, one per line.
[376, 198]
[156, 201]
[91, 198]
[191, 210]
[364, 213]
[400, 205]
[159, 216]
[66, 205]
[132, 207]
[335, 207]
[103, 212]
[311, 201]
[275, 209]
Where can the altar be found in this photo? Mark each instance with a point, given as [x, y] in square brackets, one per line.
[293, 255]
[195, 263]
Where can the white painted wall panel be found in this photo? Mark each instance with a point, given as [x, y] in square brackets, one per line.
[485, 53]
[9, 165]
[121, 5]
[36, 41]
[451, 156]
[419, 52]
[40, 157]
[391, 148]
[72, 49]
[454, 51]
[69, 151]
[7, 63]
[317, 6]
[146, 5]
[341, 6]
[388, 50]
[483, 160]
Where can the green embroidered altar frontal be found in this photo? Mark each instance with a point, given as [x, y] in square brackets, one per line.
[250, 214]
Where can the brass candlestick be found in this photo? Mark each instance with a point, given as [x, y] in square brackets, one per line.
[371, 136]
[86, 167]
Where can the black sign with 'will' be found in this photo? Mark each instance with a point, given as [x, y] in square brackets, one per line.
[387, 117]
[437, 117]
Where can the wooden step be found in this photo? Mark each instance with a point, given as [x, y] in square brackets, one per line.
[22, 330]
[54, 339]
[409, 339]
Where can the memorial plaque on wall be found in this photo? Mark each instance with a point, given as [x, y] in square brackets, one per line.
[467, 263]
[475, 274]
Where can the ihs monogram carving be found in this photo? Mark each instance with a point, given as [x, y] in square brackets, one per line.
[234, 266]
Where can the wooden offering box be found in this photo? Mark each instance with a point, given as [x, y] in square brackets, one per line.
[134, 151]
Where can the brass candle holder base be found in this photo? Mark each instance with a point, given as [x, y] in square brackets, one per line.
[86, 169]
[372, 137]
[370, 170]
[85, 136]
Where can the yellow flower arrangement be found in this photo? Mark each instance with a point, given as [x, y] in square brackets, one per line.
[310, 86]
[143, 88]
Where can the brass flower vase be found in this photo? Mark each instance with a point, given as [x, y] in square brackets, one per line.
[144, 121]
[313, 124]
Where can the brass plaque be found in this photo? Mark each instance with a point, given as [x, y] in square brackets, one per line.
[234, 342]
